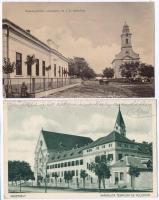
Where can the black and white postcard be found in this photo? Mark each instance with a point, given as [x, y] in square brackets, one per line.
[77, 148]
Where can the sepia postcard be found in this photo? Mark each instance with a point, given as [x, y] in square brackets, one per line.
[78, 148]
[89, 50]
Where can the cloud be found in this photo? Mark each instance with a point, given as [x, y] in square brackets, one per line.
[98, 57]
[30, 127]
[98, 125]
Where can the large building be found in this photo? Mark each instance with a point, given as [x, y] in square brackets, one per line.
[58, 153]
[50, 69]
[126, 55]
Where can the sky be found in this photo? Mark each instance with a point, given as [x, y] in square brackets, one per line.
[26, 121]
[89, 30]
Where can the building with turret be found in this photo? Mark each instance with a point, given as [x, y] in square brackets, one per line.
[126, 55]
[58, 153]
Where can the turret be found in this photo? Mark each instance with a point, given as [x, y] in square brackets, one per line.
[119, 124]
[126, 37]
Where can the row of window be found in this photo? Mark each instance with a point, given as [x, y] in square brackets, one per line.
[97, 148]
[110, 145]
[65, 164]
[62, 173]
[126, 145]
[61, 70]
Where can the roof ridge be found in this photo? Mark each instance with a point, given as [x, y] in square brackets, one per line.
[64, 134]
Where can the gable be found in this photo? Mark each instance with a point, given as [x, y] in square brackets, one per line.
[60, 142]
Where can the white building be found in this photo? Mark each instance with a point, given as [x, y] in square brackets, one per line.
[18, 44]
[59, 153]
[126, 55]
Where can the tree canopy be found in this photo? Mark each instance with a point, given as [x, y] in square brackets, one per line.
[131, 70]
[80, 68]
[101, 169]
[146, 70]
[108, 72]
[68, 175]
[8, 66]
[83, 175]
[19, 170]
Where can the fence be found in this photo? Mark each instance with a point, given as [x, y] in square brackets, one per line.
[35, 85]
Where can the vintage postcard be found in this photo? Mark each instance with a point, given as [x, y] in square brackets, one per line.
[98, 49]
[81, 148]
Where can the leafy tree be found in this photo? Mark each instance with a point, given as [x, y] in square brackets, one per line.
[83, 175]
[80, 68]
[129, 70]
[55, 175]
[30, 61]
[19, 171]
[101, 169]
[146, 70]
[68, 176]
[108, 72]
[133, 172]
[8, 68]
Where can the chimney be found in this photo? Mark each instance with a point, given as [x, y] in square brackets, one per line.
[28, 30]
[52, 44]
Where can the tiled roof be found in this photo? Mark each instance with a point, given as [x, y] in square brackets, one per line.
[113, 136]
[64, 155]
[132, 161]
[60, 142]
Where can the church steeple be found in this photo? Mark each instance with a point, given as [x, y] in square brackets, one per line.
[119, 124]
[126, 37]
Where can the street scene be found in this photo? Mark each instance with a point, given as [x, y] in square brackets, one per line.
[90, 89]
[115, 154]
[91, 56]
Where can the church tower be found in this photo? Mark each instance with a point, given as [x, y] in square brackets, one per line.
[119, 124]
[126, 55]
[126, 37]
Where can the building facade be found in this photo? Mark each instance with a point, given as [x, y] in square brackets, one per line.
[69, 153]
[126, 55]
[19, 43]
[48, 72]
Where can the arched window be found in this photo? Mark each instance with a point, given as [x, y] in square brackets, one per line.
[126, 41]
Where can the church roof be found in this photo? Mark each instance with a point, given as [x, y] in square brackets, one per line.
[119, 119]
[121, 56]
[112, 137]
[59, 141]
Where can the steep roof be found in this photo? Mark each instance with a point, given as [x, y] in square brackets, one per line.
[64, 155]
[112, 137]
[126, 161]
[60, 142]
[119, 119]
